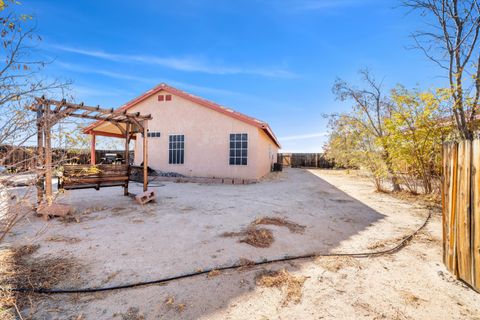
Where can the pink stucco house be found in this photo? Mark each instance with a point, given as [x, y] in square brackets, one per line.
[198, 138]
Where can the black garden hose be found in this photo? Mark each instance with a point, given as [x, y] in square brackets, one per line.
[393, 250]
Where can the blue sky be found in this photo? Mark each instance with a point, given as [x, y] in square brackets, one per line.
[273, 60]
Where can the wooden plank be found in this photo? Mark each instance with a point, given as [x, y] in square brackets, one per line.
[463, 212]
[92, 180]
[94, 171]
[476, 216]
[105, 167]
[452, 259]
[445, 191]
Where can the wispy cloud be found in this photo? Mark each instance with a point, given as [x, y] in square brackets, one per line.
[304, 136]
[103, 72]
[84, 92]
[188, 64]
[122, 76]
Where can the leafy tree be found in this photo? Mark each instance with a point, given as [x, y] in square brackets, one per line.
[370, 109]
[415, 128]
[351, 146]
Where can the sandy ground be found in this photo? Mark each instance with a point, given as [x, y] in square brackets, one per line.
[121, 242]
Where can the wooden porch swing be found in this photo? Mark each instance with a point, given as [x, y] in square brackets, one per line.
[49, 112]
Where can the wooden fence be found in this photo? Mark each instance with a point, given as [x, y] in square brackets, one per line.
[314, 160]
[22, 159]
[461, 210]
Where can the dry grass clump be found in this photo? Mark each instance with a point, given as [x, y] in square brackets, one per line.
[282, 222]
[245, 263]
[432, 200]
[132, 313]
[18, 269]
[427, 238]
[82, 215]
[283, 280]
[66, 239]
[257, 237]
[334, 264]
[410, 298]
[261, 237]
[170, 301]
[181, 307]
[213, 273]
[385, 243]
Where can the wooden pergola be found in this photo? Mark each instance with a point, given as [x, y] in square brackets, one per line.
[50, 112]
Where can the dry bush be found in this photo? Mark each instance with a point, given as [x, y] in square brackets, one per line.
[18, 269]
[291, 286]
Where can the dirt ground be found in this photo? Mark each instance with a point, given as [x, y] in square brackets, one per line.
[117, 241]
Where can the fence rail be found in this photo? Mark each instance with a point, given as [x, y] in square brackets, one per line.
[461, 210]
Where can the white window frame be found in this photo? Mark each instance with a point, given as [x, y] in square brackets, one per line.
[238, 154]
[180, 152]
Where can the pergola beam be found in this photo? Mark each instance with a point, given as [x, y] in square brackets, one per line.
[81, 106]
[68, 112]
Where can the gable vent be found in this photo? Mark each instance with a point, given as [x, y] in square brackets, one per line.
[165, 97]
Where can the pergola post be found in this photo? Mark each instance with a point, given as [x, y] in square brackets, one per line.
[145, 156]
[127, 154]
[92, 149]
[40, 154]
[48, 157]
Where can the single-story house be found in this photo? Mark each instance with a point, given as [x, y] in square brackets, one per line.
[195, 137]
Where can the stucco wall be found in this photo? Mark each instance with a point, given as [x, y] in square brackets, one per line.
[207, 136]
[266, 153]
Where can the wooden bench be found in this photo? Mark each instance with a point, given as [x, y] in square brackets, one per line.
[85, 176]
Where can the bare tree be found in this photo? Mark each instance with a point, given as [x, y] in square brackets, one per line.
[450, 40]
[371, 108]
[21, 78]
[20, 75]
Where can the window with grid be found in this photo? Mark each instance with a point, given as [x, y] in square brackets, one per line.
[238, 149]
[176, 149]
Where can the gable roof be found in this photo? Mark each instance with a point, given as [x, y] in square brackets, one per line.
[203, 102]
